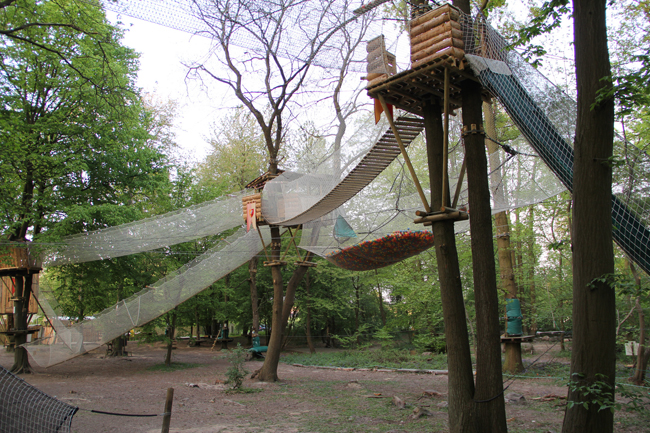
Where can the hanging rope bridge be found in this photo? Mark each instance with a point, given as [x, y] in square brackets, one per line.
[373, 163]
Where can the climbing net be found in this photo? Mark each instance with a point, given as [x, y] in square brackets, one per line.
[26, 409]
[546, 117]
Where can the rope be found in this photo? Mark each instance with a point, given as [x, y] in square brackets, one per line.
[146, 415]
[515, 377]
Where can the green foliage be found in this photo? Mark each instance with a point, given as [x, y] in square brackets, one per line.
[430, 342]
[385, 338]
[600, 394]
[391, 358]
[76, 153]
[238, 153]
[618, 282]
[236, 372]
[597, 392]
[354, 340]
[636, 400]
[630, 52]
[545, 19]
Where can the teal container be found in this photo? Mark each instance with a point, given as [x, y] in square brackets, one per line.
[514, 317]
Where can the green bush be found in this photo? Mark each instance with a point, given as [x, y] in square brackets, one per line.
[236, 372]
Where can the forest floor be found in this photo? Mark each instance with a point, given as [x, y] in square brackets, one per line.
[305, 400]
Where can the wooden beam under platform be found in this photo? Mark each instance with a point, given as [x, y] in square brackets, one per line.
[447, 214]
[275, 263]
[517, 339]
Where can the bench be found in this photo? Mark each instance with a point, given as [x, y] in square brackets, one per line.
[257, 351]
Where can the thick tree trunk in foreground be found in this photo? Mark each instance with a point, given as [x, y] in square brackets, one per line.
[21, 306]
[594, 315]
[490, 405]
[461, 379]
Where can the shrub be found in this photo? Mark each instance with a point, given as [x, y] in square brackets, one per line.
[236, 372]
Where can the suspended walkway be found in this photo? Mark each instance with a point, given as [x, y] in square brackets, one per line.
[629, 231]
[373, 163]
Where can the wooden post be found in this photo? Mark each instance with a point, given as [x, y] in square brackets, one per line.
[445, 141]
[407, 160]
[167, 417]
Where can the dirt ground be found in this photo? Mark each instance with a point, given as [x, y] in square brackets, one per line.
[305, 400]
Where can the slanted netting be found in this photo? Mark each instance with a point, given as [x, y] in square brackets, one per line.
[144, 306]
[380, 252]
[183, 225]
[25, 409]
[546, 116]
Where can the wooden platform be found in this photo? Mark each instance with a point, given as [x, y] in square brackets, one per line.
[15, 272]
[517, 339]
[410, 89]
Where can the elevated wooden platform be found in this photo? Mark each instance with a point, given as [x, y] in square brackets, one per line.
[517, 339]
[17, 261]
[411, 89]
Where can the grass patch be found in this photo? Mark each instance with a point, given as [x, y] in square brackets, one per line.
[384, 358]
[547, 369]
[242, 391]
[344, 410]
[174, 366]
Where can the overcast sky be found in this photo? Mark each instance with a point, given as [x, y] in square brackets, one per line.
[162, 74]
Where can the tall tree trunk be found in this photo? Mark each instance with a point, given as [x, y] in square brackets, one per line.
[281, 310]
[21, 305]
[594, 302]
[310, 343]
[252, 272]
[513, 363]
[171, 332]
[380, 298]
[9, 326]
[643, 354]
[461, 379]
[293, 284]
[490, 407]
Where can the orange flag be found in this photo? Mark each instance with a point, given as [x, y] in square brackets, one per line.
[379, 109]
[251, 216]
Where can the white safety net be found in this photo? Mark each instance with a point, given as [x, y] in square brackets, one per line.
[146, 305]
[172, 228]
